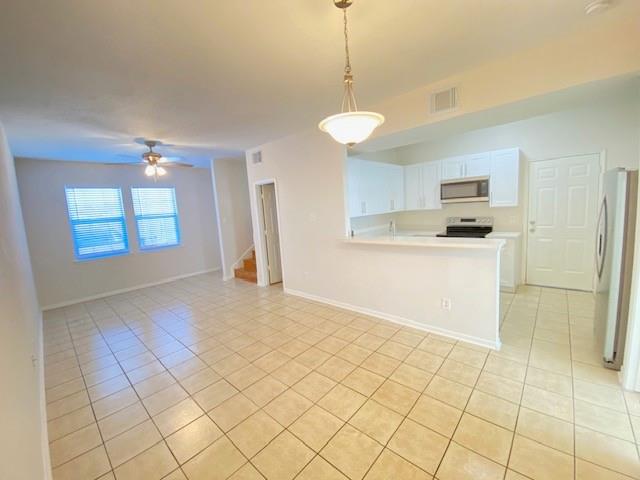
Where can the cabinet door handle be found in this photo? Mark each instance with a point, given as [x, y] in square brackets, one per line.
[392, 204]
[364, 207]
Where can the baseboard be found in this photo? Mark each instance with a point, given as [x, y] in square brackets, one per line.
[397, 319]
[44, 427]
[128, 289]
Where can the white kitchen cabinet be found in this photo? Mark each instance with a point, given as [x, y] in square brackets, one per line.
[374, 187]
[452, 168]
[510, 260]
[353, 187]
[413, 190]
[431, 177]
[474, 165]
[477, 165]
[422, 186]
[505, 178]
[393, 187]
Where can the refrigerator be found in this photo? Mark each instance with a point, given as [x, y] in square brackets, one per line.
[614, 262]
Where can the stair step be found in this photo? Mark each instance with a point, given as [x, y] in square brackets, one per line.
[250, 265]
[246, 275]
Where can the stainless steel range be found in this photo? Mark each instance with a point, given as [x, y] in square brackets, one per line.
[473, 227]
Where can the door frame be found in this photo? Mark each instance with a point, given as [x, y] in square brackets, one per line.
[525, 247]
[262, 266]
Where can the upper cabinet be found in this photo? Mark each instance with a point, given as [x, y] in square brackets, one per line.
[374, 187]
[452, 168]
[505, 178]
[475, 165]
[422, 186]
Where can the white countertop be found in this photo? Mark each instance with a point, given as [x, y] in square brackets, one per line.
[504, 234]
[422, 240]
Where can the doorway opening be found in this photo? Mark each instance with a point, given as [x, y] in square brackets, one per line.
[271, 264]
[562, 220]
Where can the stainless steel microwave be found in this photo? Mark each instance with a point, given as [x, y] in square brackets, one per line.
[461, 190]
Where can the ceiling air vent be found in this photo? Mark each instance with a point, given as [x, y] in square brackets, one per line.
[256, 157]
[443, 101]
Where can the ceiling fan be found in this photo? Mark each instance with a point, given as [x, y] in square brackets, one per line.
[155, 162]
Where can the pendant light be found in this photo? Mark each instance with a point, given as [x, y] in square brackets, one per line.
[350, 126]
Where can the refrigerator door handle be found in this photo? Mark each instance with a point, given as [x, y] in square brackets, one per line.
[601, 249]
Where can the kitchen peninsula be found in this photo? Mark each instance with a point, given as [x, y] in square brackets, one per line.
[450, 286]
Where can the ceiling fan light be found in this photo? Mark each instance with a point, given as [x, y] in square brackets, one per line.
[161, 171]
[150, 171]
[350, 128]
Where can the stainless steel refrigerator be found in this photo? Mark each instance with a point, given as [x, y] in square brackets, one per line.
[614, 262]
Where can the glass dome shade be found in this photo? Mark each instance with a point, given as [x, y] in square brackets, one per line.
[350, 128]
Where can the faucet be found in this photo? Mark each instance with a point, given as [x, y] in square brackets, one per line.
[392, 228]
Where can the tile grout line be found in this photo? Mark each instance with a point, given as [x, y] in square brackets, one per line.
[170, 333]
[524, 381]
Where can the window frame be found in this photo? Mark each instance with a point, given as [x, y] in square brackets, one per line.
[122, 220]
[136, 218]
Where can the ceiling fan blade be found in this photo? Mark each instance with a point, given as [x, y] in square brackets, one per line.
[176, 164]
[138, 162]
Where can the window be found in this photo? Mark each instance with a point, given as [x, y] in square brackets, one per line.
[156, 217]
[97, 222]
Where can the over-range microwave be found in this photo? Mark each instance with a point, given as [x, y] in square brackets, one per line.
[461, 190]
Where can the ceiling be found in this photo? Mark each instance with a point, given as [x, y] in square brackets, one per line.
[81, 79]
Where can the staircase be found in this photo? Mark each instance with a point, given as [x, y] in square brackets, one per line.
[248, 270]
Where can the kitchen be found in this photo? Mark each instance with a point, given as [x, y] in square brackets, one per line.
[534, 184]
[490, 179]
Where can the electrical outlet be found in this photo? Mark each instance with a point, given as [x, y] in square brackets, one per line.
[445, 303]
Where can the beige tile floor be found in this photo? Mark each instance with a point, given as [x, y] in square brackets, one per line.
[201, 379]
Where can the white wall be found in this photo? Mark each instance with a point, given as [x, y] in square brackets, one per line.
[233, 211]
[24, 453]
[610, 123]
[404, 284]
[604, 51]
[61, 279]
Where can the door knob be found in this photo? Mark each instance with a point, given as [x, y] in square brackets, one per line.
[532, 222]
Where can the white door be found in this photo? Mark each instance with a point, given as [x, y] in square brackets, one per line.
[413, 187]
[563, 196]
[271, 233]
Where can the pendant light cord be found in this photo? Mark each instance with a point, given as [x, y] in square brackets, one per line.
[349, 99]
[347, 65]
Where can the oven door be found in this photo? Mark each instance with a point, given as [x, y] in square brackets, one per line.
[465, 190]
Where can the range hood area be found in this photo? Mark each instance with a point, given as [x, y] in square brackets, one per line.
[465, 190]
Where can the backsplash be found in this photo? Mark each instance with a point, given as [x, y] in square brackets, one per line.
[505, 219]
